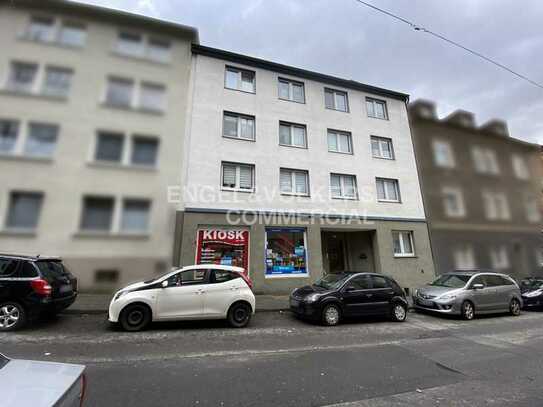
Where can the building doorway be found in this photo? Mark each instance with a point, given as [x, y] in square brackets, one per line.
[348, 251]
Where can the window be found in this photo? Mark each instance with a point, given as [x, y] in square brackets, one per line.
[294, 182]
[292, 135]
[41, 29]
[343, 186]
[340, 142]
[485, 160]
[130, 44]
[106, 276]
[379, 282]
[144, 151]
[240, 79]
[464, 258]
[453, 202]
[57, 81]
[135, 216]
[238, 126]
[27, 270]
[8, 267]
[159, 50]
[496, 205]
[41, 140]
[119, 92]
[286, 252]
[443, 154]
[381, 147]
[360, 283]
[388, 190]
[109, 147]
[8, 135]
[336, 100]
[221, 276]
[238, 177]
[97, 214]
[72, 34]
[533, 210]
[152, 96]
[403, 244]
[24, 210]
[377, 108]
[291, 90]
[520, 167]
[22, 76]
[229, 247]
[499, 258]
[188, 277]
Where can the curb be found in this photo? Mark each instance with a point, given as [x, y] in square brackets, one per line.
[98, 312]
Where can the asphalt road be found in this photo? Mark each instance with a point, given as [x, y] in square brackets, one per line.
[281, 361]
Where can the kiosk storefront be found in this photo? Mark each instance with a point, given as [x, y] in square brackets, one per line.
[228, 247]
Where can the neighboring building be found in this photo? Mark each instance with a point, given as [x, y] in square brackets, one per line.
[481, 191]
[92, 112]
[266, 139]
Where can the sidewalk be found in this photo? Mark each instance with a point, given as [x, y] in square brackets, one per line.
[99, 303]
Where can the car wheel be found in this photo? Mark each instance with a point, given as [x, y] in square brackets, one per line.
[12, 316]
[239, 315]
[135, 317]
[468, 311]
[514, 307]
[399, 312]
[331, 314]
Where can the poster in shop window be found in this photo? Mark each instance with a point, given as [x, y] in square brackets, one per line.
[286, 253]
[228, 247]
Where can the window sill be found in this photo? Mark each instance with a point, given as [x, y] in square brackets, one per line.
[293, 101]
[337, 110]
[23, 157]
[57, 44]
[383, 158]
[295, 195]
[241, 90]
[117, 166]
[140, 58]
[239, 138]
[405, 256]
[84, 234]
[34, 95]
[379, 118]
[245, 191]
[340, 152]
[154, 112]
[293, 146]
[344, 198]
[15, 232]
[388, 201]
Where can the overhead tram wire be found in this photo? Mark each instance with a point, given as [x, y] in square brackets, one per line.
[454, 43]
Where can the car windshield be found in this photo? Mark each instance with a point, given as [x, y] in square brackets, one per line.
[3, 361]
[452, 280]
[331, 281]
[532, 284]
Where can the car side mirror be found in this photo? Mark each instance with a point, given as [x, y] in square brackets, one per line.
[164, 284]
[478, 286]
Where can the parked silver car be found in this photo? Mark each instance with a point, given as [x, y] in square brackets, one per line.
[466, 293]
[40, 384]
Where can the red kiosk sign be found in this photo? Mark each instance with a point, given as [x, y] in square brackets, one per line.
[228, 247]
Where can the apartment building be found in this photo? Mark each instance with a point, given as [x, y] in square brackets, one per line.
[92, 112]
[293, 174]
[481, 190]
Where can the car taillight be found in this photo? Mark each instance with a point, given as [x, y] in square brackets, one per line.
[247, 280]
[83, 389]
[41, 286]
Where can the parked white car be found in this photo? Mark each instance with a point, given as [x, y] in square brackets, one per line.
[201, 291]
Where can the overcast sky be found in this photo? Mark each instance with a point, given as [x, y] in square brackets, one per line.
[344, 38]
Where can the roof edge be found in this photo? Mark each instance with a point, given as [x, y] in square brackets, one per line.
[294, 71]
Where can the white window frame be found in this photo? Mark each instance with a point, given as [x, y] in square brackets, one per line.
[292, 172]
[290, 83]
[401, 237]
[123, 203]
[443, 147]
[465, 253]
[56, 29]
[396, 185]
[519, 167]
[450, 212]
[238, 116]
[499, 257]
[291, 126]
[496, 205]
[39, 194]
[237, 188]
[374, 102]
[342, 186]
[336, 134]
[485, 160]
[145, 43]
[532, 208]
[22, 136]
[239, 72]
[380, 141]
[37, 88]
[335, 93]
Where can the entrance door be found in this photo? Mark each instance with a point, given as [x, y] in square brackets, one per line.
[335, 252]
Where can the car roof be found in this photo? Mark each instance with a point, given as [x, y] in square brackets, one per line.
[214, 266]
[476, 272]
[37, 257]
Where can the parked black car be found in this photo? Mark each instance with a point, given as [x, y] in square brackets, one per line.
[33, 285]
[349, 294]
[532, 292]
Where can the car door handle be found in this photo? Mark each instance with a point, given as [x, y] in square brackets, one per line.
[369, 295]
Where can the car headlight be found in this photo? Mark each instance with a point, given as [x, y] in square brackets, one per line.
[448, 297]
[534, 293]
[119, 295]
[312, 297]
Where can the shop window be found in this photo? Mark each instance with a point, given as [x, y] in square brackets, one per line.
[286, 252]
[228, 247]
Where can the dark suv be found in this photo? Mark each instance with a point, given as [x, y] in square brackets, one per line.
[349, 294]
[33, 285]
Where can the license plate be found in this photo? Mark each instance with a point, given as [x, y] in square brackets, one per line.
[65, 289]
[294, 303]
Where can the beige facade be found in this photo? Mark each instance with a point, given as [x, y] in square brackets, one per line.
[137, 240]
